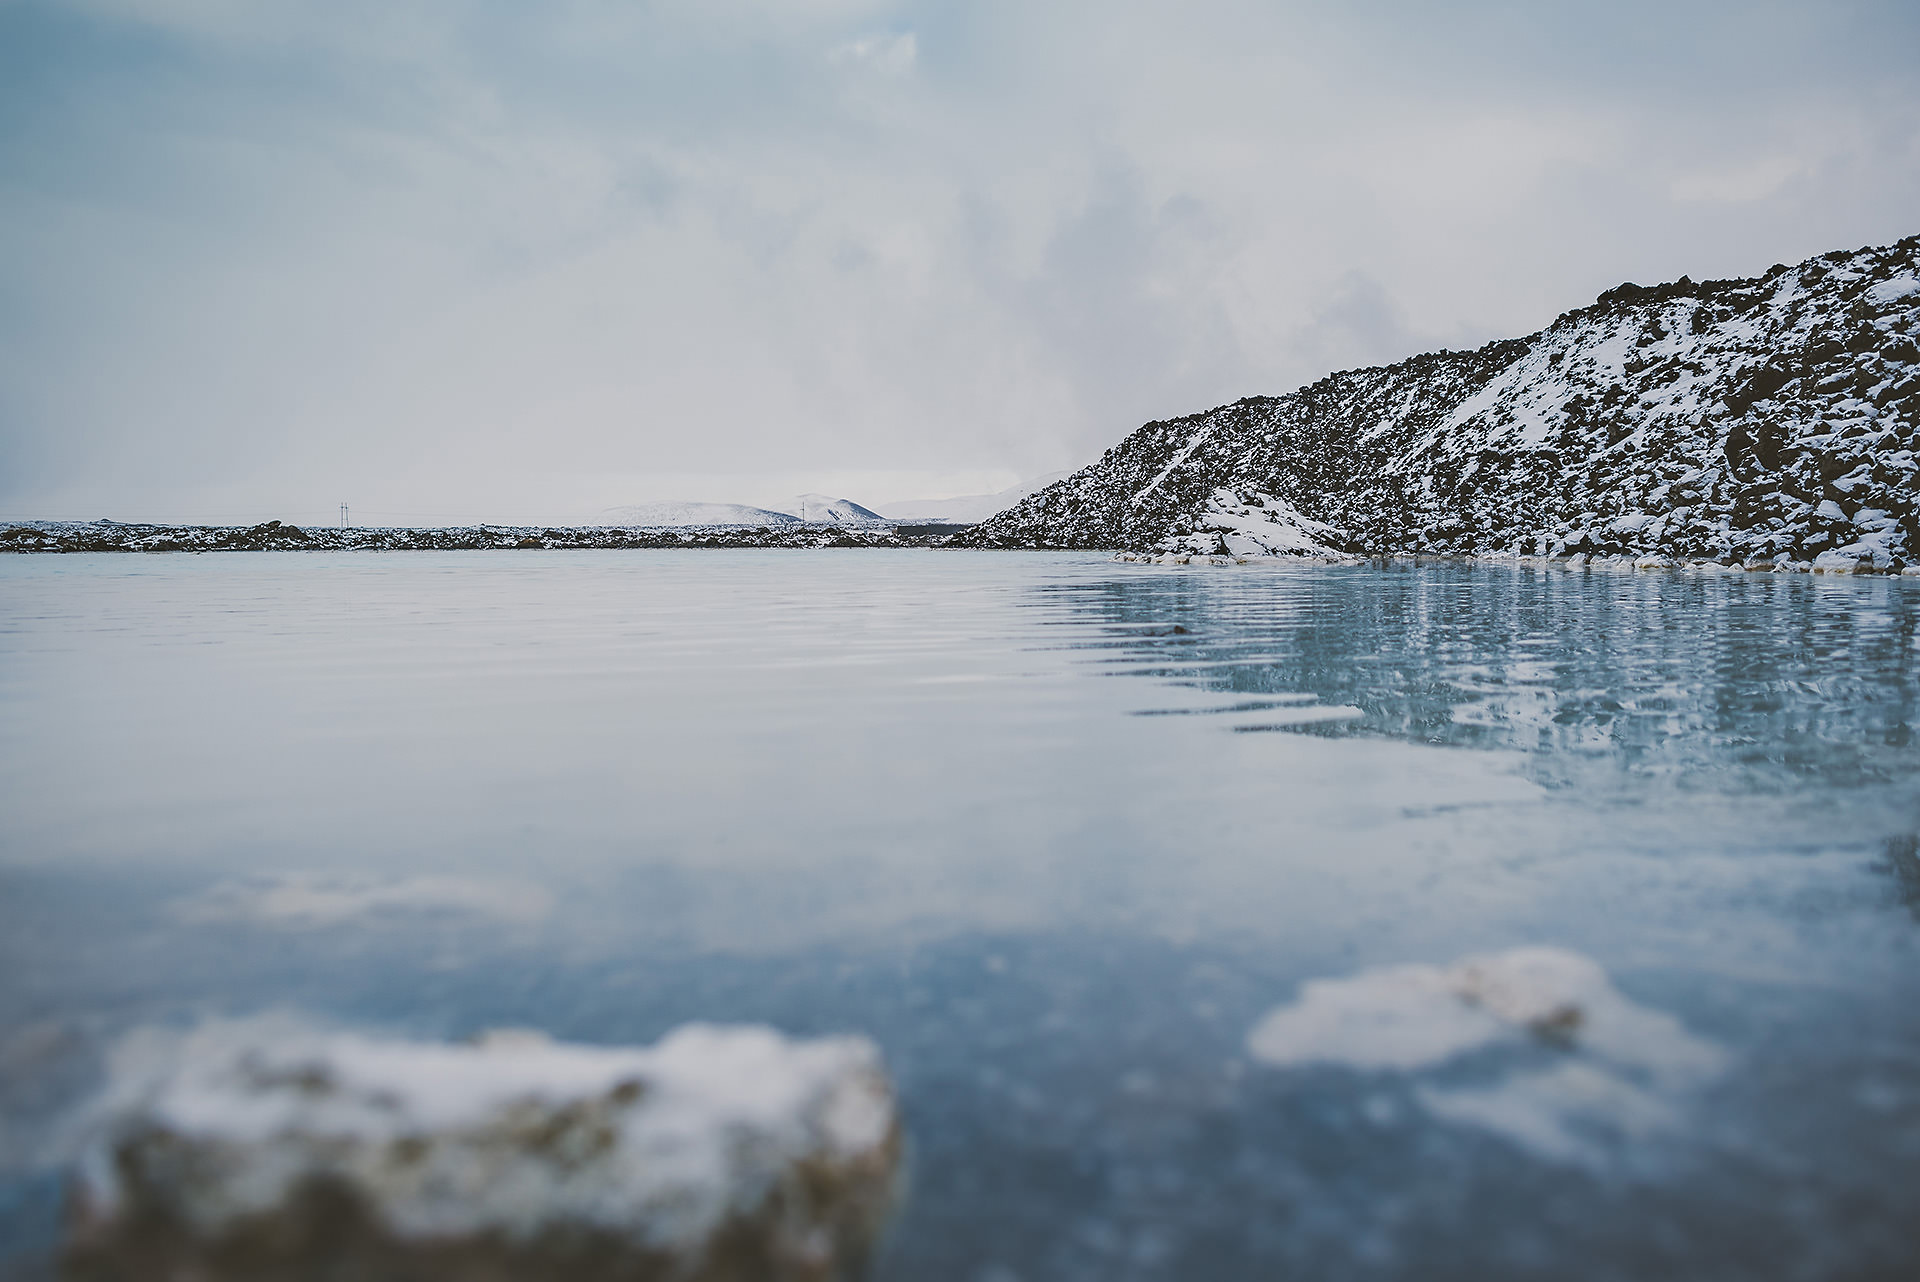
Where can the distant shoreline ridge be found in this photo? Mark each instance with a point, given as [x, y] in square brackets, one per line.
[278, 536]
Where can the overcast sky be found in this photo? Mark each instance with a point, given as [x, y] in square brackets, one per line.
[460, 260]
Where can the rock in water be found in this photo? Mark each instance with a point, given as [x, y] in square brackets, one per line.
[274, 1151]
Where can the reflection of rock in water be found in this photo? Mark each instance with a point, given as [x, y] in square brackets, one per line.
[1903, 861]
[1619, 1071]
[1768, 682]
[273, 1152]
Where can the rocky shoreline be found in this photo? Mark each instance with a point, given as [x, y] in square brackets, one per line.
[1576, 561]
[277, 536]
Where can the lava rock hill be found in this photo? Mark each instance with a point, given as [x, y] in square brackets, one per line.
[1764, 420]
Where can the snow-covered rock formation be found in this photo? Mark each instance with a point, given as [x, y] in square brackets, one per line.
[1768, 420]
[269, 1149]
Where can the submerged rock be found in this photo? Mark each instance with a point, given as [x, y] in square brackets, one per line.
[270, 1150]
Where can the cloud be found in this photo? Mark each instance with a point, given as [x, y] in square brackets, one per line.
[1737, 185]
[277, 255]
[891, 55]
[1355, 324]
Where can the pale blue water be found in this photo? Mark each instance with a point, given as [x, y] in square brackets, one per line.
[935, 797]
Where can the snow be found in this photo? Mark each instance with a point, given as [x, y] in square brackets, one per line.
[1631, 523]
[1619, 1066]
[1892, 291]
[107, 536]
[824, 509]
[1529, 396]
[435, 1137]
[1256, 525]
[1193, 443]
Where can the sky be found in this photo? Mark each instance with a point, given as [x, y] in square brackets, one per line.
[476, 260]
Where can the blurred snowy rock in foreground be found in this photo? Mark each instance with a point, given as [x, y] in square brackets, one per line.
[271, 1149]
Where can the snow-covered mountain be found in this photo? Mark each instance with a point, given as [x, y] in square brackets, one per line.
[967, 508]
[1739, 420]
[824, 509]
[673, 513]
[813, 509]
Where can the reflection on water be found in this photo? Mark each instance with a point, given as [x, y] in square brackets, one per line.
[1012, 816]
[1781, 681]
[1903, 861]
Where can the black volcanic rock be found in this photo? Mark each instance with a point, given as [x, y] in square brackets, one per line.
[1742, 420]
[114, 536]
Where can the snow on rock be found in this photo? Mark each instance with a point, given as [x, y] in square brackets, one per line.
[1892, 291]
[272, 1148]
[1732, 421]
[274, 536]
[1614, 1067]
[1257, 525]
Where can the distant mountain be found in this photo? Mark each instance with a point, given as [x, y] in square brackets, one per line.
[970, 507]
[1771, 419]
[810, 509]
[824, 509]
[677, 513]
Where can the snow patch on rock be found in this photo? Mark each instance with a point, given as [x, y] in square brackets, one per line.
[1255, 525]
[1892, 291]
[202, 1137]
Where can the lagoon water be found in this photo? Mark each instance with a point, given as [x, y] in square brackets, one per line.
[1058, 833]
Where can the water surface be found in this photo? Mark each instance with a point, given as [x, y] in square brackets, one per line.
[1057, 832]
